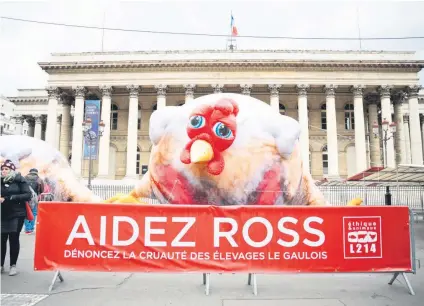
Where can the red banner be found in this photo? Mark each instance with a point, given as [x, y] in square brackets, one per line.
[176, 238]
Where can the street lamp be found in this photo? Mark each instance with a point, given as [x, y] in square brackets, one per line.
[386, 127]
[91, 137]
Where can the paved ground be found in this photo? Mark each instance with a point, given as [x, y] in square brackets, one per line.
[107, 289]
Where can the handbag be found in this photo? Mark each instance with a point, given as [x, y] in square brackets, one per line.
[30, 215]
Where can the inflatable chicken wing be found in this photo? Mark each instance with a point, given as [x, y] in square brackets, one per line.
[226, 149]
[53, 168]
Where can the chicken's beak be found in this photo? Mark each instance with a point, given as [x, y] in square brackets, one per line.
[201, 151]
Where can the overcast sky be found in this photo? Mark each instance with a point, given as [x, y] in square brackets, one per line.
[22, 45]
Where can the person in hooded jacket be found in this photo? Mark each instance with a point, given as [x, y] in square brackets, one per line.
[15, 193]
[36, 183]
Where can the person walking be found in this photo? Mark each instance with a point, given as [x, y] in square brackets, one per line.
[37, 185]
[15, 192]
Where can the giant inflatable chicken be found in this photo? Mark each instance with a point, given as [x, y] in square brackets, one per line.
[220, 149]
[226, 149]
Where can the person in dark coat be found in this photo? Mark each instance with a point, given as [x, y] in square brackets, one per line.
[15, 193]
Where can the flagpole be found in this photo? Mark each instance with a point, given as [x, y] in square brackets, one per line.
[231, 31]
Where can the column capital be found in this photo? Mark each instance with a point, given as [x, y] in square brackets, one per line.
[274, 89]
[161, 89]
[217, 88]
[53, 92]
[29, 120]
[66, 100]
[406, 118]
[106, 90]
[18, 119]
[134, 90]
[413, 90]
[189, 89]
[38, 119]
[302, 89]
[330, 90]
[399, 97]
[372, 98]
[385, 90]
[80, 91]
[357, 90]
[246, 89]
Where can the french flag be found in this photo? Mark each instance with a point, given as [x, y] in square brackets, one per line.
[233, 27]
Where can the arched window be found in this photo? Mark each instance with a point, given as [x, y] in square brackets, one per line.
[324, 160]
[113, 117]
[349, 117]
[282, 109]
[139, 118]
[137, 165]
[324, 116]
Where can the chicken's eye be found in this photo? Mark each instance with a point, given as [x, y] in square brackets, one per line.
[197, 122]
[222, 131]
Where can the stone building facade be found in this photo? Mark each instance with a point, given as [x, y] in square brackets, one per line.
[335, 95]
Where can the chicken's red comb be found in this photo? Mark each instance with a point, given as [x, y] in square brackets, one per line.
[227, 106]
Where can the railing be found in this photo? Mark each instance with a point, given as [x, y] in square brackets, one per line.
[411, 196]
[108, 191]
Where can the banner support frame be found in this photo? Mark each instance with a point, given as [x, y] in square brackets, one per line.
[408, 284]
[206, 282]
[57, 275]
[252, 281]
[413, 259]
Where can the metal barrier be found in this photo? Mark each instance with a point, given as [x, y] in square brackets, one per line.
[411, 196]
[362, 232]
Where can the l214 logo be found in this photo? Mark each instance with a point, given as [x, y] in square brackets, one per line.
[362, 237]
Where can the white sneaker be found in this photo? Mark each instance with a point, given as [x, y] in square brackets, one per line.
[13, 271]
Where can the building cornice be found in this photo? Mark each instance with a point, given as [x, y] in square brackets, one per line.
[28, 100]
[200, 65]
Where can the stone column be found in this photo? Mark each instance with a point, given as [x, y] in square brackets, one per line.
[43, 127]
[77, 132]
[105, 139]
[422, 128]
[274, 97]
[189, 92]
[161, 96]
[400, 149]
[246, 89]
[375, 156]
[37, 126]
[58, 131]
[302, 101]
[414, 124]
[217, 88]
[65, 129]
[30, 122]
[360, 144]
[54, 95]
[386, 114]
[407, 139]
[19, 121]
[332, 143]
[133, 132]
